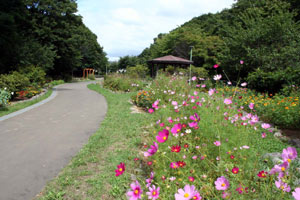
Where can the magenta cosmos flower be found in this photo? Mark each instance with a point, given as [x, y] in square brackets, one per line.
[176, 128]
[227, 101]
[120, 170]
[222, 183]
[136, 191]
[195, 119]
[174, 165]
[162, 136]
[289, 154]
[150, 110]
[296, 194]
[216, 66]
[153, 149]
[186, 194]
[153, 192]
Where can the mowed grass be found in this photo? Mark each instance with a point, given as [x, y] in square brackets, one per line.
[13, 108]
[91, 173]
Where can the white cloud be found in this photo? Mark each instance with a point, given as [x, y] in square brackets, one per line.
[126, 27]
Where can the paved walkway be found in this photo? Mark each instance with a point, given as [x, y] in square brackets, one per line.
[37, 144]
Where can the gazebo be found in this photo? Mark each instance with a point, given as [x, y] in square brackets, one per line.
[168, 60]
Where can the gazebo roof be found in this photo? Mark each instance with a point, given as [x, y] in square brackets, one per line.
[170, 60]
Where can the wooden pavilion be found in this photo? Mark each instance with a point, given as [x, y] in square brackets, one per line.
[164, 61]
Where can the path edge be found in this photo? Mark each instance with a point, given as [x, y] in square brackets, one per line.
[13, 114]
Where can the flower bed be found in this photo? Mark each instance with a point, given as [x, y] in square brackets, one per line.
[277, 109]
[204, 147]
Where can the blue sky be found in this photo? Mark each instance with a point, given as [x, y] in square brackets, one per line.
[126, 27]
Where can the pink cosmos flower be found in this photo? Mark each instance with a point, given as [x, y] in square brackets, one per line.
[176, 128]
[149, 180]
[244, 84]
[282, 186]
[263, 135]
[174, 103]
[151, 110]
[217, 143]
[289, 154]
[216, 66]
[241, 62]
[265, 125]
[281, 169]
[120, 170]
[227, 101]
[153, 192]
[153, 149]
[211, 91]
[254, 119]
[222, 183]
[136, 191]
[162, 136]
[251, 106]
[229, 83]
[186, 194]
[203, 86]
[296, 194]
[217, 77]
[225, 195]
[194, 78]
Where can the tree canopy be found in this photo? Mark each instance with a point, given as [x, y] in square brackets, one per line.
[49, 34]
[265, 34]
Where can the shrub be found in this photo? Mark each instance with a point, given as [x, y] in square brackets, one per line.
[35, 74]
[139, 71]
[91, 77]
[56, 82]
[14, 82]
[4, 97]
[120, 82]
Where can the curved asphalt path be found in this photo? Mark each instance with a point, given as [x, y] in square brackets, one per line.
[37, 144]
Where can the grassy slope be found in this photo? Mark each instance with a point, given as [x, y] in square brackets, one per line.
[13, 108]
[90, 174]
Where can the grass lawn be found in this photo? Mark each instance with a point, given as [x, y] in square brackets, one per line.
[13, 108]
[91, 173]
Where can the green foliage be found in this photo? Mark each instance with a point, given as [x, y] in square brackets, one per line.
[123, 83]
[14, 81]
[48, 34]
[4, 97]
[138, 71]
[56, 82]
[127, 61]
[35, 74]
[265, 34]
[91, 77]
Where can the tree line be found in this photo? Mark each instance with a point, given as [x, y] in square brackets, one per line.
[49, 34]
[265, 34]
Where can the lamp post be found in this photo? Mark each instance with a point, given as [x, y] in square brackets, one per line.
[191, 58]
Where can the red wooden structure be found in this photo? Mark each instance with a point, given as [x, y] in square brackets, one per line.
[87, 72]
